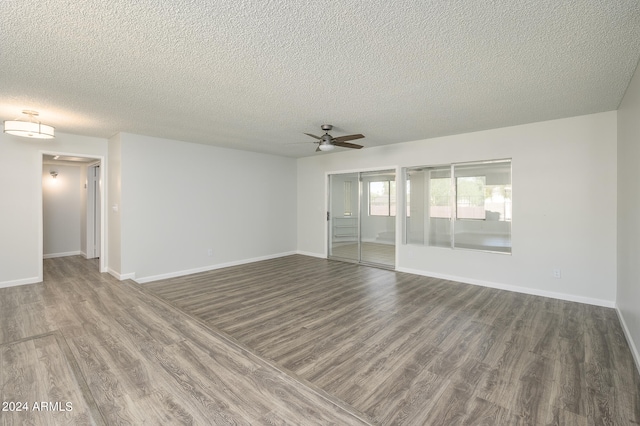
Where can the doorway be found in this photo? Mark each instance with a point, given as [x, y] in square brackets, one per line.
[362, 217]
[73, 207]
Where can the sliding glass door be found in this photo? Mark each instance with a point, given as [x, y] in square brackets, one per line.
[361, 214]
[343, 214]
[378, 218]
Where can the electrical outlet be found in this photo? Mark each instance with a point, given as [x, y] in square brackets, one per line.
[210, 252]
[557, 273]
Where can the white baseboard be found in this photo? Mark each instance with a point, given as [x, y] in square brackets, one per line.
[121, 277]
[517, 289]
[144, 280]
[627, 334]
[308, 253]
[65, 254]
[23, 281]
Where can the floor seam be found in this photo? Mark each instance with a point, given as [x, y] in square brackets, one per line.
[234, 342]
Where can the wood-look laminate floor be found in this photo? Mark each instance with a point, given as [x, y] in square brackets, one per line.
[376, 253]
[405, 349]
[119, 355]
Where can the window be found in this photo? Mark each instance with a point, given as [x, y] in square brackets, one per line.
[440, 197]
[382, 198]
[461, 206]
[483, 191]
[470, 197]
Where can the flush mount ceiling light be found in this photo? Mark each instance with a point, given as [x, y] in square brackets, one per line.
[29, 129]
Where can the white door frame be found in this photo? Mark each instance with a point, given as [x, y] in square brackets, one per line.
[103, 216]
[93, 211]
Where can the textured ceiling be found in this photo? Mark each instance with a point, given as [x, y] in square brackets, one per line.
[255, 75]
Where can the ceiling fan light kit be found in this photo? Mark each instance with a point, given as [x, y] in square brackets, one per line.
[327, 142]
[324, 146]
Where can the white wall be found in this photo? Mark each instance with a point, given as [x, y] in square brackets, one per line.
[628, 297]
[179, 200]
[61, 210]
[564, 214]
[21, 200]
[114, 195]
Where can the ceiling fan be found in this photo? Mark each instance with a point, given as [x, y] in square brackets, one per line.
[327, 142]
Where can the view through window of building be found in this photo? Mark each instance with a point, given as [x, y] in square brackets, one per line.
[470, 197]
[382, 198]
[440, 197]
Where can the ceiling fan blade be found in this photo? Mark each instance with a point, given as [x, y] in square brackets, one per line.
[313, 136]
[347, 145]
[347, 138]
[318, 149]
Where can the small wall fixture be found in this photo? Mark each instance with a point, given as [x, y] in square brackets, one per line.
[29, 129]
[53, 174]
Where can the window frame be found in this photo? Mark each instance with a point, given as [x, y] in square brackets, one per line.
[502, 239]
